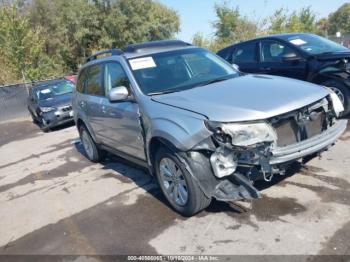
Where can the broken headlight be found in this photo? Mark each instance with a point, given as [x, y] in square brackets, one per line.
[242, 134]
[338, 106]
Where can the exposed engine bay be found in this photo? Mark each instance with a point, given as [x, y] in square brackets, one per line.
[248, 152]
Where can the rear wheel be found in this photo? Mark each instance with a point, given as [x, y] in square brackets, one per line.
[92, 152]
[343, 93]
[177, 184]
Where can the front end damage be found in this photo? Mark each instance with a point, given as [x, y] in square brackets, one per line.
[226, 168]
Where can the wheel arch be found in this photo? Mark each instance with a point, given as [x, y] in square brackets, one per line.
[153, 146]
[80, 122]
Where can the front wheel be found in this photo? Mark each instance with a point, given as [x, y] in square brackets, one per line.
[43, 125]
[90, 147]
[343, 93]
[177, 184]
[35, 120]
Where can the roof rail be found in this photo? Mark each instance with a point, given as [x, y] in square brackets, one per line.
[110, 51]
[155, 44]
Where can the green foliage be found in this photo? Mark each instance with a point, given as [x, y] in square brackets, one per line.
[284, 22]
[77, 28]
[231, 26]
[54, 36]
[339, 21]
[21, 47]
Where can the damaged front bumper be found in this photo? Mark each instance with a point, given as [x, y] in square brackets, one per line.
[252, 164]
[310, 146]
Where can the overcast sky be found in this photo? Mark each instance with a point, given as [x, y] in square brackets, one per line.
[196, 15]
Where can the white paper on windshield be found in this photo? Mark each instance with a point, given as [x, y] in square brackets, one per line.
[297, 41]
[142, 63]
[45, 91]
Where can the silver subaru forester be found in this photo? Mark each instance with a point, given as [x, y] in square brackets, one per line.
[202, 128]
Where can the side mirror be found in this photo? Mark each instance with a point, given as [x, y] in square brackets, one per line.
[235, 66]
[291, 57]
[118, 94]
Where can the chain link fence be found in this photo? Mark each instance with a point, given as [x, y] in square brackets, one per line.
[13, 102]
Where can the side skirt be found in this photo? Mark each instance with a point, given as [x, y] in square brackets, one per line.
[140, 162]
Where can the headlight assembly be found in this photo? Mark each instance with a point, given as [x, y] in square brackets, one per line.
[242, 134]
[338, 106]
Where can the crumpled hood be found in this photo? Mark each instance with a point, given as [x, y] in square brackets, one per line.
[333, 56]
[246, 98]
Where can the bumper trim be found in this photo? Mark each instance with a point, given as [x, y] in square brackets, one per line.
[310, 146]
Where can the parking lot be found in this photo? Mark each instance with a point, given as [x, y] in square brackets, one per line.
[54, 201]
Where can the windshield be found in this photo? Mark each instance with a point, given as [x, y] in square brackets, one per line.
[51, 90]
[179, 70]
[316, 45]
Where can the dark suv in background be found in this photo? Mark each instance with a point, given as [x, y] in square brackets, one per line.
[302, 56]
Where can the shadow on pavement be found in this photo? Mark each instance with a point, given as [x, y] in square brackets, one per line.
[143, 179]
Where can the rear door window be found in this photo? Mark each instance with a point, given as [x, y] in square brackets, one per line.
[94, 82]
[245, 53]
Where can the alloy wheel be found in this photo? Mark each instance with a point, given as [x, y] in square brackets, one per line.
[173, 181]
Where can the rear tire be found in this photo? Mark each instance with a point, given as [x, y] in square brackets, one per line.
[171, 174]
[343, 93]
[93, 153]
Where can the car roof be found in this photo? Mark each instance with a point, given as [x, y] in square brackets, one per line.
[284, 36]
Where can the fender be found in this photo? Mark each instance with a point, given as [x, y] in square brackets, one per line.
[83, 118]
[329, 72]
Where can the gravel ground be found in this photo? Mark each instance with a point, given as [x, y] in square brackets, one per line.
[54, 201]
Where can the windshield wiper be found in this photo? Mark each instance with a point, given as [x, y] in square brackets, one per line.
[163, 92]
[220, 79]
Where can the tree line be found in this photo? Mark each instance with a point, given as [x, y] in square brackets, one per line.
[45, 38]
[231, 26]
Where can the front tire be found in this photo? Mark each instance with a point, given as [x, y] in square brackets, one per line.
[91, 150]
[343, 93]
[35, 120]
[43, 125]
[177, 184]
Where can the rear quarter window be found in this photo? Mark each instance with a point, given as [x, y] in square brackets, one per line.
[81, 81]
[226, 54]
[94, 82]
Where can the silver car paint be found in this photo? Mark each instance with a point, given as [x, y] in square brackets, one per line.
[179, 118]
[246, 98]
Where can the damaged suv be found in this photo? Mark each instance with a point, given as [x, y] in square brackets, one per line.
[201, 127]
